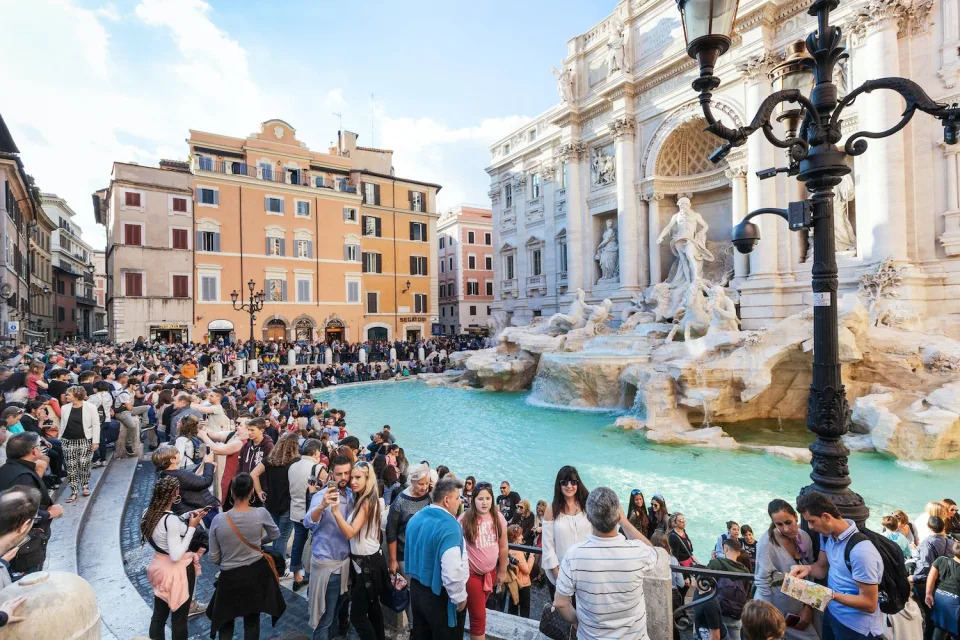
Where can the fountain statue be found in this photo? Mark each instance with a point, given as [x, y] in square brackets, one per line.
[608, 255]
[575, 317]
[723, 313]
[688, 241]
[692, 317]
[564, 76]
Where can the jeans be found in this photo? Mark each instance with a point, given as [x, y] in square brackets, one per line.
[334, 601]
[733, 627]
[286, 528]
[300, 535]
[834, 630]
[109, 432]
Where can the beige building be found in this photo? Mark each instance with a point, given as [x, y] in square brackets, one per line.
[41, 278]
[465, 245]
[18, 208]
[148, 214]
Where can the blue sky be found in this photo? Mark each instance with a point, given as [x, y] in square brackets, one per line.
[101, 81]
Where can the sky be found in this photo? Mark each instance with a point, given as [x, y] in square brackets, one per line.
[87, 83]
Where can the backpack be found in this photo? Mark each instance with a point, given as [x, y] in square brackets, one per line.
[894, 588]
[102, 411]
[732, 595]
[197, 449]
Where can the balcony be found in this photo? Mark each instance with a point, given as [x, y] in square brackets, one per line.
[301, 177]
[508, 286]
[536, 281]
[562, 277]
[85, 301]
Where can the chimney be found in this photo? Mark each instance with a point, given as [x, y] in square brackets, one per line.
[348, 142]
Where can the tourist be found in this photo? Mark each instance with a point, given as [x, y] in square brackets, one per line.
[212, 409]
[128, 442]
[309, 469]
[11, 419]
[173, 569]
[188, 442]
[934, 546]
[256, 448]
[329, 562]
[507, 501]
[437, 565]
[605, 574]
[79, 436]
[907, 529]
[467, 493]
[564, 522]
[784, 546]
[749, 543]
[891, 529]
[525, 519]
[485, 536]
[18, 508]
[275, 469]
[762, 621]
[854, 611]
[228, 444]
[932, 509]
[411, 500]
[733, 533]
[952, 520]
[391, 485]
[403, 466]
[942, 593]
[678, 582]
[680, 542]
[708, 621]
[20, 469]
[659, 516]
[102, 401]
[538, 524]
[248, 584]
[521, 566]
[368, 569]
[195, 486]
[732, 594]
[637, 512]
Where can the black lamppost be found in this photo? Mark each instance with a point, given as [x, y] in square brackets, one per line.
[255, 304]
[813, 131]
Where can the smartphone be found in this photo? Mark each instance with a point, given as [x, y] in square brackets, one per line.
[792, 620]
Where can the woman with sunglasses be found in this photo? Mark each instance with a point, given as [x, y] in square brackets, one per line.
[485, 535]
[659, 515]
[524, 519]
[637, 512]
[467, 492]
[368, 568]
[564, 522]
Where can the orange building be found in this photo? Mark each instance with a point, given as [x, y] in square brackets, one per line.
[341, 248]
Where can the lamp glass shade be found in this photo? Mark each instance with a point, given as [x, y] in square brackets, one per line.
[234, 295]
[703, 18]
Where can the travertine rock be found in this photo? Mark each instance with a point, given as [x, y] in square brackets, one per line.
[59, 606]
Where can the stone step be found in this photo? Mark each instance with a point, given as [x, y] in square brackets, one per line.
[65, 532]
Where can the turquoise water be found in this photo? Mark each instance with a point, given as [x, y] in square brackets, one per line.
[498, 436]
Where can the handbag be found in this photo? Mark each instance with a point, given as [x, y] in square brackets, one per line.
[397, 597]
[555, 627]
[268, 554]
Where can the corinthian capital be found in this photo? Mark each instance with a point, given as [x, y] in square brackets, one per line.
[622, 128]
[735, 172]
[572, 150]
[907, 16]
[757, 67]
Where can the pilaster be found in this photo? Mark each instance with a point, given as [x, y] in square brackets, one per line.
[630, 255]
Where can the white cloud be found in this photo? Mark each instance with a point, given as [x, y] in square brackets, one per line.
[335, 99]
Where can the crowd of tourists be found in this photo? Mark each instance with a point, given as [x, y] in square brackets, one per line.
[267, 481]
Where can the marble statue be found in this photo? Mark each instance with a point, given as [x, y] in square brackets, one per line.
[564, 77]
[575, 317]
[723, 313]
[846, 237]
[688, 241]
[692, 318]
[604, 168]
[617, 49]
[600, 313]
[608, 255]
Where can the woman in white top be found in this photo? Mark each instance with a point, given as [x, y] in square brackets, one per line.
[564, 522]
[368, 567]
[172, 572]
[933, 508]
[80, 436]
[187, 438]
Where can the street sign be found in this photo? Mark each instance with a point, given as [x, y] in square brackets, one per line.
[13, 326]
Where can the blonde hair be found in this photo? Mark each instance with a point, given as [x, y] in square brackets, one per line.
[370, 496]
[935, 508]
[163, 456]
[78, 392]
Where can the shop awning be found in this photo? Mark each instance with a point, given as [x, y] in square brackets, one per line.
[220, 325]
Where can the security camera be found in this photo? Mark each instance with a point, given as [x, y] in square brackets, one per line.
[746, 235]
[721, 153]
[951, 133]
[763, 174]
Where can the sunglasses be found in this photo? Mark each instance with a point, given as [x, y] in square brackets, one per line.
[636, 492]
[569, 483]
[362, 464]
[483, 485]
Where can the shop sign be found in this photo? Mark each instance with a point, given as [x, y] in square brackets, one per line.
[413, 319]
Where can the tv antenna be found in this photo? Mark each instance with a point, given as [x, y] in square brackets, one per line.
[340, 117]
[373, 122]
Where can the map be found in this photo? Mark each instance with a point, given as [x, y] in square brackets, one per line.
[811, 593]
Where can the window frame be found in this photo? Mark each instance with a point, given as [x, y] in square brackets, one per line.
[417, 306]
[208, 273]
[143, 288]
[171, 236]
[267, 198]
[296, 212]
[139, 225]
[172, 198]
[357, 281]
[216, 196]
[366, 303]
[173, 288]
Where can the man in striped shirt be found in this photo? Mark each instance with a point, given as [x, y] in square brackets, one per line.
[605, 573]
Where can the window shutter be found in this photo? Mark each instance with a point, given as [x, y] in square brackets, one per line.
[379, 263]
[413, 265]
[267, 250]
[346, 252]
[198, 244]
[363, 192]
[376, 200]
[363, 260]
[423, 202]
[216, 241]
[379, 234]
[283, 247]
[426, 270]
[413, 225]
[283, 205]
[363, 224]
[309, 248]
[283, 290]
[216, 197]
[266, 288]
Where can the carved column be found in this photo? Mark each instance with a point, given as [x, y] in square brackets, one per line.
[622, 130]
[643, 230]
[572, 152]
[760, 155]
[653, 217]
[882, 227]
[738, 183]
[951, 217]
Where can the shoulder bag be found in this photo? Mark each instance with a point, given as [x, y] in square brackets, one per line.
[273, 559]
[555, 627]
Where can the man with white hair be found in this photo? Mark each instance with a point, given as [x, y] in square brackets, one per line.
[605, 573]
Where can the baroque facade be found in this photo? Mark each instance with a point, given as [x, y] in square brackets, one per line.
[582, 194]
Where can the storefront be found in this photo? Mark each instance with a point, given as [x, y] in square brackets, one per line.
[413, 327]
[168, 333]
[220, 329]
[333, 331]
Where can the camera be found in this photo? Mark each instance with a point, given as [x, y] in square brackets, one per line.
[312, 480]
[746, 235]
[721, 153]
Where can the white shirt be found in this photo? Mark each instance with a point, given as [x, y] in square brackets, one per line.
[173, 536]
[559, 535]
[606, 576]
[367, 541]
[454, 569]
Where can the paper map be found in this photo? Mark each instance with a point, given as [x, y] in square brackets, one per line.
[811, 593]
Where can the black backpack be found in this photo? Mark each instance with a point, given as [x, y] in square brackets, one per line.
[894, 587]
[732, 595]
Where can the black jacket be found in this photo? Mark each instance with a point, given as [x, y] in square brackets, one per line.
[19, 472]
[194, 490]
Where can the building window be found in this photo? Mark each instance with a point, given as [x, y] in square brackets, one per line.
[487, 239]
[489, 287]
[450, 263]
[275, 246]
[418, 266]
[372, 262]
[181, 287]
[205, 163]
[508, 195]
[563, 257]
[443, 311]
[208, 196]
[303, 290]
[304, 248]
[509, 268]
[266, 170]
[471, 262]
[276, 289]
[473, 310]
[416, 201]
[419, 303]
[473, 288]
[373, 302]
[441, 242]
[371, 226]
[418, 231]
[132, 234]
[470, 237]
[303, 208]
[442, 265]
[535, 263]
[351, 252]
[131, 198]
[133, 285]
[506, 149]
[350, 214]
[451, 290]
[179, 205]
[488, 263]
[179, 239]
[272, 204]
[208, 241]
[371, 193]
[443, 291]
[535, 185]
[353, 291]
[209, 289]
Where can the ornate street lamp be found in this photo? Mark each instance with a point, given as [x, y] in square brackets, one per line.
[813, 156]
[254, 305]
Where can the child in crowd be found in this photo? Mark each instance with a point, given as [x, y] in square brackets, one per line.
[762, 621]
[521, 566]
[891, 529]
